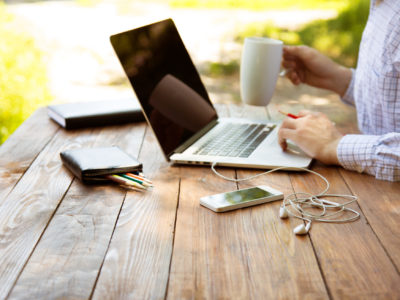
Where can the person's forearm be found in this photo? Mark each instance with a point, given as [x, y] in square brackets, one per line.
[329, 153]
[341, 80]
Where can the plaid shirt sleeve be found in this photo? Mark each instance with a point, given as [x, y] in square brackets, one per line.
[372, 154]
[375, 91]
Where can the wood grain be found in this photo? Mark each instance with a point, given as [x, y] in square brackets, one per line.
[208, 259]
[61, 239]
[353, 262]
[19, 151]
[75, 241]
[277, 259]
[68, 257]
[380, 203]
[137, 262]
[247, 253]
[28, 208]
[286, 262]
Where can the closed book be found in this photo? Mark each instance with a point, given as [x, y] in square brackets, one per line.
[95, 113]
[91, 165]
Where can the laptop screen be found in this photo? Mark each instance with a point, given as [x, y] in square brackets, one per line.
[166, 82]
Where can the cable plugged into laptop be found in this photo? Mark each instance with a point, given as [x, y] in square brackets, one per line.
[303, 205]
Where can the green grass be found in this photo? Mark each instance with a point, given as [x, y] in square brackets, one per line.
[23, 81]
[260, 4]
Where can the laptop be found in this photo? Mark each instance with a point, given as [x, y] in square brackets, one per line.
[178, 109]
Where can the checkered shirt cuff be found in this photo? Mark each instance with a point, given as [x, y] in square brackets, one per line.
[372, 154]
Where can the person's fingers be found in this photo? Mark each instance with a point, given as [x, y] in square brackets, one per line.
[301, 52]
[304, 112]
[302, 76]
[282, 143]
[290, 50]
[288, 56]
[283, 135]
[290, 73]
[294, 78]
[289, 123]
[286, 50]
[294, 73]
[281, 140]
[289, 64]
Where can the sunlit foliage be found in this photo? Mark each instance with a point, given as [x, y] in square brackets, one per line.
[339, 38]
[23, 81]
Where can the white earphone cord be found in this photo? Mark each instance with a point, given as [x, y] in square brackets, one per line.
[295, 204]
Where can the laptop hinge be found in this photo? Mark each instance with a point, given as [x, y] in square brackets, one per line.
[195, 137]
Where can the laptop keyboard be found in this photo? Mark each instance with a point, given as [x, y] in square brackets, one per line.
[235, 140]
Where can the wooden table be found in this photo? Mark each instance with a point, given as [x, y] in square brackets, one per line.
[62, 239]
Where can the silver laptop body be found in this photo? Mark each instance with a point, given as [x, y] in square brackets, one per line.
[177, 107]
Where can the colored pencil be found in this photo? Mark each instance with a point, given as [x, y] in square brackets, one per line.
[289, 115]
[145, 184]
[122, 180]
[139, 177]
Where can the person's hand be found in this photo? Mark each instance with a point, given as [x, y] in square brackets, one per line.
[307, 65]
[314, 133]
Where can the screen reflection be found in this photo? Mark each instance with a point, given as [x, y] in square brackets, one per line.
[165, 81]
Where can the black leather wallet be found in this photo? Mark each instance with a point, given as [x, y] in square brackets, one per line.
[91, 164]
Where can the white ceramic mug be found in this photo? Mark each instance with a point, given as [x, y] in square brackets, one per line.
[259, 69]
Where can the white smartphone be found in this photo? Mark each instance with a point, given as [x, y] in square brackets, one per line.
[241, 198]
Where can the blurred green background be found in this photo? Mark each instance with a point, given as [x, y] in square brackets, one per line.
[24, 81]
[339, 38]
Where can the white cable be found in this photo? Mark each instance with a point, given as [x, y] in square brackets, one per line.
[296, 204]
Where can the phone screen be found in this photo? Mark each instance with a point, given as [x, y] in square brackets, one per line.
[241, 196]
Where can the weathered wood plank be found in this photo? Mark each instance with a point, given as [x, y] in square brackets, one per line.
[75, 241]
[352, 260]
[239, 252]
[280, 264]
[66, 261]
[22, 147]
[380, 203]
[26, 211]
[137, 262]
[248, 253]
[277, 259]
[208, 259]
[363, 245]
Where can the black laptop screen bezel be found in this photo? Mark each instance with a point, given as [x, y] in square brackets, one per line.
[168, 55]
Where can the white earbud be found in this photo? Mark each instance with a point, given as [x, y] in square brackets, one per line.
[296, 204]
[301, 229]
[283, 214]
